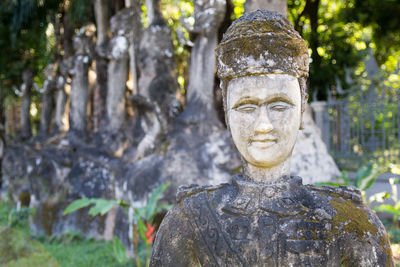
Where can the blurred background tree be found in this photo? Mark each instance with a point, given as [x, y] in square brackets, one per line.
[338, 33]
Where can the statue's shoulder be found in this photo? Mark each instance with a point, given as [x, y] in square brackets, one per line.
[194, 189]
[344, 192]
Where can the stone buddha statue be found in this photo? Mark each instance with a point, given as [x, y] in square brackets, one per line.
[265, 217]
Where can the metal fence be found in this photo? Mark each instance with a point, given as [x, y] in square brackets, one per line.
[365, 125]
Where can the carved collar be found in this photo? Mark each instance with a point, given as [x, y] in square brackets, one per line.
[278, 198]
[267, 190]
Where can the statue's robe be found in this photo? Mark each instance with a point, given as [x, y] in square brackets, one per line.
[290, 224]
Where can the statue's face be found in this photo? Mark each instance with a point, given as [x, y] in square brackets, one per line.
[264, 114]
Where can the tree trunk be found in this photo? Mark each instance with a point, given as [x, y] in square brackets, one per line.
[152, 10]
[27, 78]
[79, 94]
[47, 108]
[271, 5]
[65, 43]
[68, 33]
[2, 132]
[100, 90]
[134, 41]
[61, 113]
[49, 86]
[102, 20]
[2, 115]
[312, 12]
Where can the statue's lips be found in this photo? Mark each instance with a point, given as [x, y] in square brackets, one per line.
[263, 143]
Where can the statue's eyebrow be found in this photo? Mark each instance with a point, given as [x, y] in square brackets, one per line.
[279, 97]
[247, 100]
[270, 99]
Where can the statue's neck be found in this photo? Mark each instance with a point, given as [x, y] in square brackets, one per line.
[273, 175]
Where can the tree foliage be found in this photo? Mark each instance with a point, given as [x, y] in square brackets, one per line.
[383, 17]
[23, 39]
[338, 33]
[27, 34]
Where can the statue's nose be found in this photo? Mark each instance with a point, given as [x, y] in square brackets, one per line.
[263, 123]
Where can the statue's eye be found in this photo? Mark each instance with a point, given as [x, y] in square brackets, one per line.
[247, 108]
[279, 106]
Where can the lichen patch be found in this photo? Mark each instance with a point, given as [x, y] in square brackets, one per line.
[351, 219]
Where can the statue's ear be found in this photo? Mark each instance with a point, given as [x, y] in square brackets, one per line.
[301, 123]
[223, 87]
[303, 109]
[227, 122]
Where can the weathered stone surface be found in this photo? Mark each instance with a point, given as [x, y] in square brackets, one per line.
[157, 80]
[83, 45]
[258, 42]
[52, 176]
[208, 16]
[155, 103]
[271, 5]
[310, 159]
[185, 157]
[118, 56]
[251, 224]
[195, 148]
[61, 110]
[265, 217]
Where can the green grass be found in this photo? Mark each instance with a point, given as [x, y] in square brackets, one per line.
[83, 253]
[18, 248]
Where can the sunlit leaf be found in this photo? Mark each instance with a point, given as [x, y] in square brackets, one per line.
[102, 206]
[141, 227]
[388, 209]
[345, 177]
[152, 203]
[379, 197]
[366, 176]
[119, 250]
[78, 204]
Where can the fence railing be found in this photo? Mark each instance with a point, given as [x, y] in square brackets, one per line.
[363, 126]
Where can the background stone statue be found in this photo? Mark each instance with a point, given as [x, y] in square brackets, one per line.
[118, 67]
[265, 216]
[83, 42]
[49, 86]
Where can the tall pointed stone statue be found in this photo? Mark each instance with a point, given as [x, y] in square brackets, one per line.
[265, 217]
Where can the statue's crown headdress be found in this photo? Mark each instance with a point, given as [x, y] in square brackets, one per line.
[262, 42]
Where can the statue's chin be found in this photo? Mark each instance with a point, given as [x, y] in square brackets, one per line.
[265, 155]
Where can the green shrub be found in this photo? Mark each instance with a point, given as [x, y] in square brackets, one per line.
[143, 222]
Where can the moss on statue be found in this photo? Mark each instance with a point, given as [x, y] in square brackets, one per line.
[351, 218]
